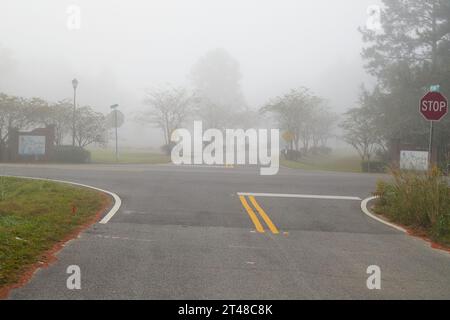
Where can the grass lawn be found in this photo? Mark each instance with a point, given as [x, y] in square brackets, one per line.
[127, 156]
[34, 216]
[333, 162]
[338, 161]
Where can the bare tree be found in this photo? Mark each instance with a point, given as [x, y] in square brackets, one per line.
[90, 127]
[169, 108]
[294, 113]
[61, 119]
[361, 129]
[322, 126]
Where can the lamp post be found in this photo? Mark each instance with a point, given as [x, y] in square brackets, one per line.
[74, 85]
[114, 107]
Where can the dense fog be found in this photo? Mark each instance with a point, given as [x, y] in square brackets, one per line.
[123, 48]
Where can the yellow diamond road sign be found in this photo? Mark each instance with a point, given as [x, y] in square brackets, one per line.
[288, 136]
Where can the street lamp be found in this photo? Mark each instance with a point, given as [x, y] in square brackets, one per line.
[114, 107]
[74, 85]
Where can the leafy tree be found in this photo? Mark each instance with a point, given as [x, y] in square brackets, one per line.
[410, 53]
[415, 32]
[216, 79]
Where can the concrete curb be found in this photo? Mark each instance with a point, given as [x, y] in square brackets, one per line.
[107, 217]
[368, 213]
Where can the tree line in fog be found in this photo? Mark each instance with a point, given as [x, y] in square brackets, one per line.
[216, 98]
[26, 114]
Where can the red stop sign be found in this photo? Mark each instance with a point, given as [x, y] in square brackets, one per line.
[433, 106]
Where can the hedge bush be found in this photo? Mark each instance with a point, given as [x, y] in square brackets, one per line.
[321, 150]
[375, 166]
[292, 155]
[167, 148]
[69, 154]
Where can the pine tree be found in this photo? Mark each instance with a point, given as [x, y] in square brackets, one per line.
[410, 53]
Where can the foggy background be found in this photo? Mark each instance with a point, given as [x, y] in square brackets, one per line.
[124, 47]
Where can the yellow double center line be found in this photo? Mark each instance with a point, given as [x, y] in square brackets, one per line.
[254, 217]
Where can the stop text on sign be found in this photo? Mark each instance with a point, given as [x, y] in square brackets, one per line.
[434, 106]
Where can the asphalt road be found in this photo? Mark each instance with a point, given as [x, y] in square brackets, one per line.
[185, 233]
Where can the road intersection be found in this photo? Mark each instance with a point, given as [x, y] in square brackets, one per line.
[187, 232]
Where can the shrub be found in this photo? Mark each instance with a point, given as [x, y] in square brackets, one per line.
[292, 155]
[167, 148]
[383, 155]
[375, 166]
[417, 199]
[69, 154]
[321, 150]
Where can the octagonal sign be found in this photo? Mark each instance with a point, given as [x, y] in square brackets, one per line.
[433, 106]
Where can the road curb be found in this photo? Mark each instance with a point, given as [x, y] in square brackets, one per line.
[368, 213]
[111, 212]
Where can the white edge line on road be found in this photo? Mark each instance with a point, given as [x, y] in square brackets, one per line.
[107, 217]
[367, 212]
[303, 196]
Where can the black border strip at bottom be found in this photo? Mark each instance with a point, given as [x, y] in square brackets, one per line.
[225, 309]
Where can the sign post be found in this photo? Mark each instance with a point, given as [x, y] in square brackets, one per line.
[115, 120]
[430, 145]
[433, 107]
